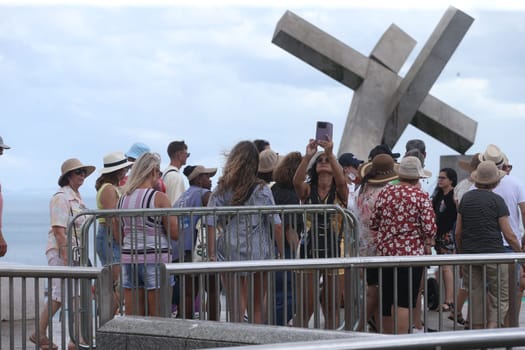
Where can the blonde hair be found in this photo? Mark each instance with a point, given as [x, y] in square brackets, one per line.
[141, 170]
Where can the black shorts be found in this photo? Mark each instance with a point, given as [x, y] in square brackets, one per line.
[372, 276]
[403, 299]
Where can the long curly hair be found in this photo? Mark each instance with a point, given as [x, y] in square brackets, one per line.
[240, 172]
[284, 172]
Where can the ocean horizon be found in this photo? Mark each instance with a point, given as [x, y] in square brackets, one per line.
[26, 226]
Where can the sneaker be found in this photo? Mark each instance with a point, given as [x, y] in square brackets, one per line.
[174, 311]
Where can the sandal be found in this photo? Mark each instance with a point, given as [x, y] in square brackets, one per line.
[43, 342]
[459, 318]
[447, 307]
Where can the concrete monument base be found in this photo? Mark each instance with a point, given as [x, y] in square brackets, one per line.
[127, 333]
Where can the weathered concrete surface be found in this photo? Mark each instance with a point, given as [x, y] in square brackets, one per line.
[379, 91]
[424, 72]
[393, 48]
[129, 333]
[320, 50]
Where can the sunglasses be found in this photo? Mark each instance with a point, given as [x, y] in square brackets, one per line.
[442, 177]
[323, 160]
[80, 171]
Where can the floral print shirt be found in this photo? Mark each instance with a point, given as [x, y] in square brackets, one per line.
[365, 205]
[404, 218]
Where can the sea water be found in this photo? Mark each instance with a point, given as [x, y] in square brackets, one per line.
[26, 225]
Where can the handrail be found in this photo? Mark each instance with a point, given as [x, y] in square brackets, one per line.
[501, 337]
[335, 263]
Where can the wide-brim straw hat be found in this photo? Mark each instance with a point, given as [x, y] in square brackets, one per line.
[380, 170]
[410, 168]
[313, 160]
[493, 153]
[487, 173]
[469, 166]
[268, 160]
[74, 164]
[199, 169]
[115, 161]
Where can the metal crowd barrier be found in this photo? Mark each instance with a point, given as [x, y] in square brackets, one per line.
[355, 310]
[95, 285]
[236, 219]
[293, 275]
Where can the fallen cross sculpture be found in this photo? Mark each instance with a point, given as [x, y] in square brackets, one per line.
[384, 103]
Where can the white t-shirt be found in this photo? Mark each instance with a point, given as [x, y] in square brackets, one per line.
[513, 193]
[461, 188]
[174, 183]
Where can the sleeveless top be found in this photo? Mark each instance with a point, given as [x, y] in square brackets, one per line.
[99, 193]
[145, 239]
[324, 231]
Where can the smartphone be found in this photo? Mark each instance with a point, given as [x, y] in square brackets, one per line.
[323, 131]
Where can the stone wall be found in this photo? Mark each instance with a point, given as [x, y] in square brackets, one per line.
[129, 333]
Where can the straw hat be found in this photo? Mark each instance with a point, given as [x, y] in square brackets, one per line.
[196, 170]
[380, 169]
[410, 168]
[487, 173]
[494, 154]
[470, 166]
[74, 164]
[268, 160]
[313, 160]
[115, 161]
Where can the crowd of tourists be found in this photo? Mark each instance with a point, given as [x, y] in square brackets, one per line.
[480, 214]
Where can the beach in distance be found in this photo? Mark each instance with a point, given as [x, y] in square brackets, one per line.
[26, 226]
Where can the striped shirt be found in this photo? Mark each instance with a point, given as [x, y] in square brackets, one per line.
[145, 239]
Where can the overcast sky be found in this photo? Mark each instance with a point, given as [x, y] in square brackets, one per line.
[84, 80]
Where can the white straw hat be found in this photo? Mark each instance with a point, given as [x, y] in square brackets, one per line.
[73, 164]
[493, 153]
[487, 173]
[410, 168]
[115, 161]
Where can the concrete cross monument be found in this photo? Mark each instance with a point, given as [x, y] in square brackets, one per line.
[385, 103]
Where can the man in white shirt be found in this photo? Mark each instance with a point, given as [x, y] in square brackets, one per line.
[178, 153]
[513, 193]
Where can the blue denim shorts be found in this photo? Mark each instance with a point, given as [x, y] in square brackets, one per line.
[108, 250]
[141, 276]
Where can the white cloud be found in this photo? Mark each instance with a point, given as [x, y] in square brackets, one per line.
[209, 75]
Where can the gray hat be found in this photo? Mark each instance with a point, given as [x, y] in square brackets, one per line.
[2, 144]
[416, 144]
[487, 173]
[410, 168]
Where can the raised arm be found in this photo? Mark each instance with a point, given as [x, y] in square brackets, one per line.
[301, 187]
[337, 170]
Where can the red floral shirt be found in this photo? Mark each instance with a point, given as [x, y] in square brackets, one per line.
[403, 217]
